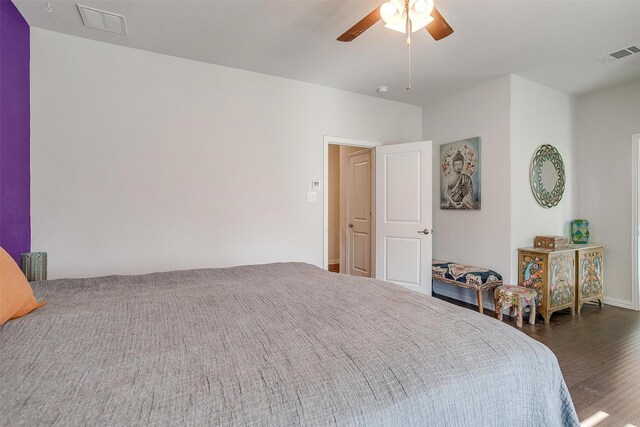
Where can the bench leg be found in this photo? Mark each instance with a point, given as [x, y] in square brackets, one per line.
[532, 314]
[479, 293]
[497, 304]
[519, 310]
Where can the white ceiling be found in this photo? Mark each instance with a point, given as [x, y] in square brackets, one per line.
[552, 42]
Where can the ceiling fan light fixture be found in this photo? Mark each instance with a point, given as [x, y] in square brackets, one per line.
[418, 24]
[391, 12]
[399, 25]
[420, 6]
[394, 14]
[420, 13]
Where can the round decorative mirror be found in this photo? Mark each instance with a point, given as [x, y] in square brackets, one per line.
[547, 176]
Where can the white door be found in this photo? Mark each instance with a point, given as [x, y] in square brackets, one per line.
[359, 214]
[404, 214]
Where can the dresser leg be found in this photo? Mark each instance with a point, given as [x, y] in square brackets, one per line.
[547, 317]
[600, 302]
[579, 306]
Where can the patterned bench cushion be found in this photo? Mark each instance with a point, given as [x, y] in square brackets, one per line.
[480, 279]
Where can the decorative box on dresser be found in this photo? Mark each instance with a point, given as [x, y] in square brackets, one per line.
[563, 278]
[552, 273]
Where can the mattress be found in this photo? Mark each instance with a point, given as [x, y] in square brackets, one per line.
[276, 344]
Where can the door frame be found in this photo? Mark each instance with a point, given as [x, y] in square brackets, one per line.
[336, 140]
[635, 223]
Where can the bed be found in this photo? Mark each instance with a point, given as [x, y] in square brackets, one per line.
[276, 344]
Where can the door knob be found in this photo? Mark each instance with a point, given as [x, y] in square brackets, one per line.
[350, 225]
[425, 231]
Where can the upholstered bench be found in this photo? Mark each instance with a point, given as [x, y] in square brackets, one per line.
[466, 276]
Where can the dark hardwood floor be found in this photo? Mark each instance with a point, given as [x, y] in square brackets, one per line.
[599, 354]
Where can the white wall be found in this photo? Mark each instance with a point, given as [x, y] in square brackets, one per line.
[474, 237]
[539, 115]
[143, 162]
[606, 120]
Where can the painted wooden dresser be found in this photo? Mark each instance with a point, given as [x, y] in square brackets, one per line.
[563, 278]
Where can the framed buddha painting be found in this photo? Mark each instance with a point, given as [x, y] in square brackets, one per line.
[460, 175]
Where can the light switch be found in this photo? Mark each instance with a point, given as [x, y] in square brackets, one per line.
[311, 196]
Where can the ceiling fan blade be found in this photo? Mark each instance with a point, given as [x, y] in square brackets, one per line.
[362, 26]
[439, 28]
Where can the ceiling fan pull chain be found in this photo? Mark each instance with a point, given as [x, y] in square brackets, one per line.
[408, 23]
[408, 28]
[409, 85]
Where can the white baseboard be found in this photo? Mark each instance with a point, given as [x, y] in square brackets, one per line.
[462, 294]
[618, 302]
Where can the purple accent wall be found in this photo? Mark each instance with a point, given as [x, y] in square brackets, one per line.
[15, 219]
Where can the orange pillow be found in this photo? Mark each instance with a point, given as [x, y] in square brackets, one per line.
[16, 296]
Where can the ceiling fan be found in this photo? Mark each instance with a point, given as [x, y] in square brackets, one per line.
[405, 16]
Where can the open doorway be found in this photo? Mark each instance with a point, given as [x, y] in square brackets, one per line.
[401, 194]
[350, 210]
[349, 207]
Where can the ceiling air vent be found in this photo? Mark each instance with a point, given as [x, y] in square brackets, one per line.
[102, 20]
[619, 54]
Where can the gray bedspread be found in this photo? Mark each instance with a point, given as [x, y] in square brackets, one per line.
[278, 344]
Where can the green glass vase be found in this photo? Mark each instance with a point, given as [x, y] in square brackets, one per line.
[580, 231]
